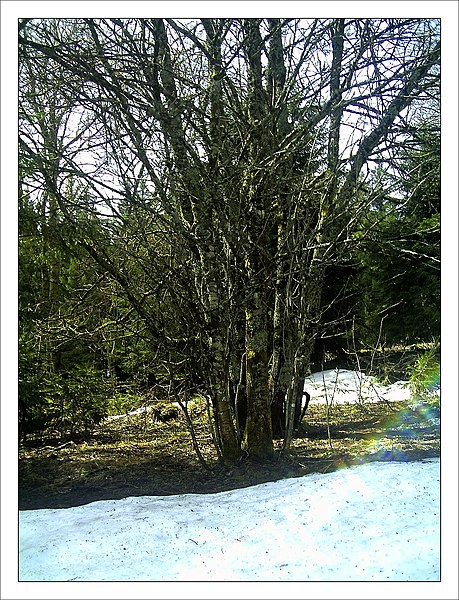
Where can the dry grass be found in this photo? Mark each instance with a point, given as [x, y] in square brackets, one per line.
[137, 455]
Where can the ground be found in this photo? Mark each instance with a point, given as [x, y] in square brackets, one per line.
[139, 456]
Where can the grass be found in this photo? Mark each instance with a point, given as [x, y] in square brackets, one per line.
[138, 455]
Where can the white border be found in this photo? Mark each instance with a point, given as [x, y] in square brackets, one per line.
[10, 11]
[223, 8]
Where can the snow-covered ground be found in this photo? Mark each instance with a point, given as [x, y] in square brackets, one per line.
[378, 522]
[374, 522]
[340, 386]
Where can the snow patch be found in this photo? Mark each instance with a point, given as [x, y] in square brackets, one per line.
[341, 386]
[374, 522]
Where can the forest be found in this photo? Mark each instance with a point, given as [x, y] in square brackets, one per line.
[212, 209]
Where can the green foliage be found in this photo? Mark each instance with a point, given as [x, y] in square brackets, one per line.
[33, 405]
[400, 274]
[425, 373]
[62, 387]
[67, 402]
[124, 402]
[78, 339]
[78, 398]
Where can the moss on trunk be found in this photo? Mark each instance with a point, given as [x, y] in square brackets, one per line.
[258, 441]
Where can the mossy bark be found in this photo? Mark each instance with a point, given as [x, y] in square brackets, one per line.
[229, 445]
[258, 431]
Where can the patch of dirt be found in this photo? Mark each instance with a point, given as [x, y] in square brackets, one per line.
[139, 456]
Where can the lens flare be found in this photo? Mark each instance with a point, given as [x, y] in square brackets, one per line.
[421, 415]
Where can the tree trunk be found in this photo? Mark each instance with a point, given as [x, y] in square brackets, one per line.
[230, 449]
[276, 391]
[229, 446]
[258, 431]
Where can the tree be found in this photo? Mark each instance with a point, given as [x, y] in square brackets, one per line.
[226, 136]
[61, 382]
[400, 258]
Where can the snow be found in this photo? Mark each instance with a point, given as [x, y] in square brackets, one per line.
[373, 522]
[139, 411]
[337, 386]
[340, 386]
[376, 522]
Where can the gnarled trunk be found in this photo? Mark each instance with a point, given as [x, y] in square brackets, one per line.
[258, 431]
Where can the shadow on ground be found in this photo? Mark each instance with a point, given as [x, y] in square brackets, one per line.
[133, 457]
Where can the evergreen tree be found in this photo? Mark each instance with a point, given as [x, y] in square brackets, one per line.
[402, 262]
